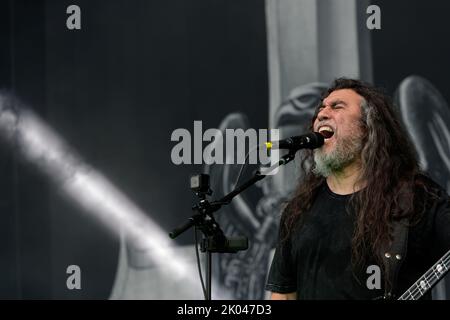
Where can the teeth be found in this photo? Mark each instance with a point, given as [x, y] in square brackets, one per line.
[326, 131]
[326, 128]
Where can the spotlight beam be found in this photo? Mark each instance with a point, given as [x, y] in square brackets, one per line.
[86, 187]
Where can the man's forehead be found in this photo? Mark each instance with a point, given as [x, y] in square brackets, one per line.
[345, 95]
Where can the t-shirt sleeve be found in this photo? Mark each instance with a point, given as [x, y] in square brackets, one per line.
[282, 275]
[442, 224]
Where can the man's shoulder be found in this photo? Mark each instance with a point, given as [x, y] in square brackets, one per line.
[429, 191]
[426, 187]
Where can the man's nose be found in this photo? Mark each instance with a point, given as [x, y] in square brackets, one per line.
[323, 114]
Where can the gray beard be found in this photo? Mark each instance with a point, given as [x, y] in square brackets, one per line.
[345, 152]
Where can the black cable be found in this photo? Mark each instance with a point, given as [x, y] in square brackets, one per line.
[198, 262]
[243, 165]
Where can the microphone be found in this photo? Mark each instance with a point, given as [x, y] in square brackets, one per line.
[311, 140]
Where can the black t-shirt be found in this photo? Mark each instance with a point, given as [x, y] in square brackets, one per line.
[315, 261]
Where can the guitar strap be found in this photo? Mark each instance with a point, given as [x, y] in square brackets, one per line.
[394, 255]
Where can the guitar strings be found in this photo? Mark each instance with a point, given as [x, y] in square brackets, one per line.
[427, 277]
[430, 275]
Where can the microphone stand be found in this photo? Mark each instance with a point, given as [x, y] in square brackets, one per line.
[215, 240]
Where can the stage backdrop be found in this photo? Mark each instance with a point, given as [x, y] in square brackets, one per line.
[108, 96]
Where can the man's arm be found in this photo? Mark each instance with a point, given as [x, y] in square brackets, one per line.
[284, 296]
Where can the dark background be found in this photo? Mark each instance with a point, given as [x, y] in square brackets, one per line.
[413, 40]
[117, 88]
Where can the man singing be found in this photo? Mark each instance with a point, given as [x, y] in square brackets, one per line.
[343, 219]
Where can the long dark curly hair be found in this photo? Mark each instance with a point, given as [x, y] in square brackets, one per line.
[389, 172]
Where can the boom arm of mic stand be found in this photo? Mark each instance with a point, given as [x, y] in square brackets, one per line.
[257, 176]
[216, 205]
[189, 224]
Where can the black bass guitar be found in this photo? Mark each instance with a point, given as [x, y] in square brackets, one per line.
[428, 280]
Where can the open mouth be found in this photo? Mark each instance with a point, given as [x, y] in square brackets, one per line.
[326, 131]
